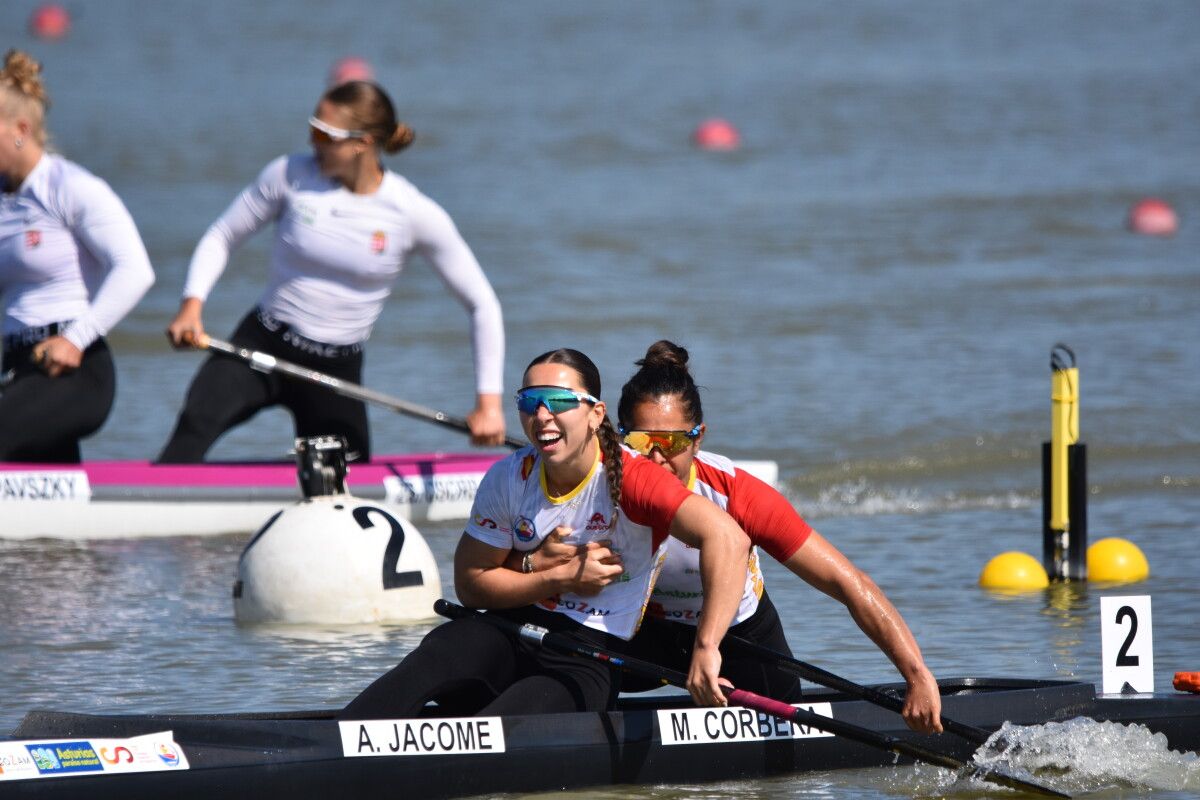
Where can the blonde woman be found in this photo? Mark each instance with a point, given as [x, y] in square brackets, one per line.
[71, 266]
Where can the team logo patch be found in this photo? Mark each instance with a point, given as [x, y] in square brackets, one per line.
[378, 242]
[32, 239]
[484, 522]
[168, 754]
[524, 529]
[597, 522]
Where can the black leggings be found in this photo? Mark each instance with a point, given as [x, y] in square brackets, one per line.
[226, 392]
[670, 644]
[470, 666]
[42, 418]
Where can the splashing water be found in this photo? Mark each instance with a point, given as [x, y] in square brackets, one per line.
[1083, 755]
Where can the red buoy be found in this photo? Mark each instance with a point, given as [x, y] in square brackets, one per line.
[1153, 217]
[49, 21]
[716, 134]
[350, 68]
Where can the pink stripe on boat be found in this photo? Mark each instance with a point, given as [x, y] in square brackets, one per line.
[145, 473]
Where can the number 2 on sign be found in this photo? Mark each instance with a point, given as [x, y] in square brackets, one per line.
[1127, 643]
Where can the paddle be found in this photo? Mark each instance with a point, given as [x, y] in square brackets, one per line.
[264, 362]
[565, 643]
[870, 694]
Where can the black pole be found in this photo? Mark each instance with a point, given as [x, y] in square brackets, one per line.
[1077, 511]
[1050, 540]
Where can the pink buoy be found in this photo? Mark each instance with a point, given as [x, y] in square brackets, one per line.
[1153, 217]
[716, 134]
[351, 68]
[49, 21]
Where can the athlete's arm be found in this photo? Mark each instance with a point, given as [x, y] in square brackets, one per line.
[823, 566]
[724, 550]
[482, 580]
[256, 206]
[439, 241]
[105, 228]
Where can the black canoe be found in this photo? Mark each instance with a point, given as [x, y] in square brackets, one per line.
[649, 740]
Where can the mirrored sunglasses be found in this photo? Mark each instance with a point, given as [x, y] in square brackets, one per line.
[323, 133]
[669, 443]
[556, 399]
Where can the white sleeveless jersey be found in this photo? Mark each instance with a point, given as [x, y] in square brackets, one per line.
[336, 255]
[69, 251]
[513, 511]
[768, 519]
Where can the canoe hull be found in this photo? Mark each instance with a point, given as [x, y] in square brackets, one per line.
[303, 755]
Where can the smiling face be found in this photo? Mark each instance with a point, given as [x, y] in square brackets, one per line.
[666, 413]
[566, 441]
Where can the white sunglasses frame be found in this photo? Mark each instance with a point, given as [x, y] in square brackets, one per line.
[335, 133]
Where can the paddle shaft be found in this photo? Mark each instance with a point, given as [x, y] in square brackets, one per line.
[870, 694]
[565, 643]
[264, 362]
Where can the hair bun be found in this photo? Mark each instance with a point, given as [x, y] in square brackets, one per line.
[665, 355]
[22, 73]
[401, 138]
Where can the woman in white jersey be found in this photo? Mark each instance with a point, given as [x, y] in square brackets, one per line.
[661, 418]
[574, 476]
[71, 266]
[344, 228]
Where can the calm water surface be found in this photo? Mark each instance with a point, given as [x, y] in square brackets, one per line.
[928, 197]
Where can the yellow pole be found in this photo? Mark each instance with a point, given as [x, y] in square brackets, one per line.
[1064, 431]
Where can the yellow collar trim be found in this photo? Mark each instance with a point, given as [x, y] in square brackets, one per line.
[691, 481]
[571, 494]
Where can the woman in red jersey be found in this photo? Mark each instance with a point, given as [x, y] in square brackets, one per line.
[661, 418]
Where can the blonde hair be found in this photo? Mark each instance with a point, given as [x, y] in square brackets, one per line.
[22, 93]
[373, 113]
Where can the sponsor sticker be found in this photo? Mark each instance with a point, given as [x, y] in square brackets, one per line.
[414, 491]
[47, 486]
[422, 737]
[732, 724]
[154, 752]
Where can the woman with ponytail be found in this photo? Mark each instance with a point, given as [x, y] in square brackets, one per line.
[344, 228]
[617, 511]
[72, 265]
[661, 418]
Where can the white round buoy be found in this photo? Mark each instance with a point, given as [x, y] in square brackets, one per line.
[336, 559]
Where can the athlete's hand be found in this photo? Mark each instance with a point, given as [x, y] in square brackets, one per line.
[704, 681]
[486, 421]
[187, 329]
[56, 356]
[923, 704]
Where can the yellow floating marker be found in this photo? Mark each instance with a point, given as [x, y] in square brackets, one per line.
[1116, 560]
[1014, 571]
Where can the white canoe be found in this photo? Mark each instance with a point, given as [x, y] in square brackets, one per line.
[126, 499]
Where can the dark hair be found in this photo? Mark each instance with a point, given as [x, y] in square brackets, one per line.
[373, 113]
[664, 373]
[610, 442]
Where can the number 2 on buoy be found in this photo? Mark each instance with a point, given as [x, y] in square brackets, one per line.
[1127, 643]
[392, 578]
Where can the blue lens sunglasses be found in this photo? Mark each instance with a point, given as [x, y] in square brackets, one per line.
[556, 399]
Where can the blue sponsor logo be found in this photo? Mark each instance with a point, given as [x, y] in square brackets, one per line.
[54, 758]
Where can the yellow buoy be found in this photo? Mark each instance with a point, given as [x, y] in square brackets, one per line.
[1117, 561]
[1014, 570]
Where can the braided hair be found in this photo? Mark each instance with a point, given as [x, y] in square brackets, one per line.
[663, 373]
[610, 442]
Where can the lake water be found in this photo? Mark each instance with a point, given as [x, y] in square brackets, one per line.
[928, 197]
